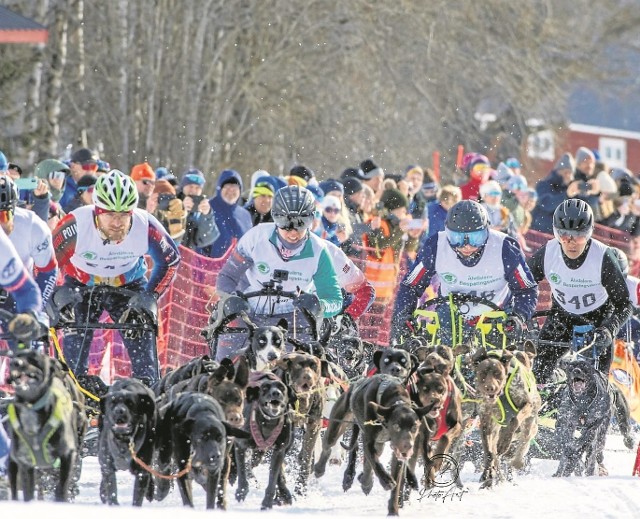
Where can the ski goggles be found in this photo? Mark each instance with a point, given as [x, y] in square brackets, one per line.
[567, 235]
[473, 238]
[6, 215]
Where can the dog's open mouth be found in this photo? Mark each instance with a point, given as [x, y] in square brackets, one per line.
[435, 411]
[305, 387]
[491, 396]
[273, 408]
[122, 428]
[578, 385]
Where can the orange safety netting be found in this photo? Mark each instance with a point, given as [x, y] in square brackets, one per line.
[183, 309]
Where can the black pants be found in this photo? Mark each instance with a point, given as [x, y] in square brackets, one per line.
[559, 327]
[77, 343]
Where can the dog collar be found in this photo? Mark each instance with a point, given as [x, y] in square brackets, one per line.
[261, 442]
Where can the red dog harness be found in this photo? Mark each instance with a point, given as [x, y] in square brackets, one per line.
[441, 420]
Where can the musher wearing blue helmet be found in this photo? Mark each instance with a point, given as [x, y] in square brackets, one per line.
[467, 258]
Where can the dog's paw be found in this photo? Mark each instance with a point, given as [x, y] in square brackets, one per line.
[284, 497]
[366, 485]
[347, 480]
[241, 493]
[387, 482]
[319, 469]
[629, 442]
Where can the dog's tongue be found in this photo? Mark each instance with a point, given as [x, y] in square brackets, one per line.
[578, 386]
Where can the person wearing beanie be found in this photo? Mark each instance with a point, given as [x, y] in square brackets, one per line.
[52, 177]
[587, 186]
[478, 169]
[386, 241]
[261, 201]
[82, 162]
[372, 176]
[145, 179]
[168, 209]
[232, 219]
[84, 191]
[304, 173]
[332, 227]
[555, 188]
[201, 229]
[332, 187]
[353, 198]
[163, 173]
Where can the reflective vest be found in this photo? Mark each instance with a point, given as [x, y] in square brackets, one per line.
[380, 266]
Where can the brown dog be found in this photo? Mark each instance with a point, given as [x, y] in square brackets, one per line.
[444, 422]
[508, 410]
[304, 374]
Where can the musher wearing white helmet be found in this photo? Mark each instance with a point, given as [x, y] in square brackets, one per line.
[288, 246]
[105, 244]
[467, 258]
[587, 285]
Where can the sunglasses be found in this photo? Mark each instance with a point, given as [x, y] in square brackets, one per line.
[147, 182]
[89, 166]
[566, 235]
[85, 189]
[57, 175]
[331, 210]
[6, 215]
[493, 193]
[474, 238]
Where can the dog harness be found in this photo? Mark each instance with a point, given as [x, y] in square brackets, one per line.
[441, 420]
[35, 449]
[505, 405]
[261, 442]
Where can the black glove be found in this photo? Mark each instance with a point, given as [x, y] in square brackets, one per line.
[602, 339]
[309, 304]
[143, 310]
[513, 327]
[25, 327]
[61, 305]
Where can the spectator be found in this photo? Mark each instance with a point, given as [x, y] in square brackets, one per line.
[54, 176]
[414, 177]
[83, 161]
[386, 242]
[353, 197]
[622, 217]
[232, 219]
[84, 192]
[499, 215]
[4, 164]
[477, 168]
[437, 211]
[201, 228]
[103, 167]
[428, 191]
[145, 179]
[512, 199]
[555, 188]
[332, 227]
[502, 175]
[259, 206]
[332, 187]
[304, 173]
[14, 171]
[163, 173]
[514, 165]
[168, 209]
[372, 176]
[589, 187]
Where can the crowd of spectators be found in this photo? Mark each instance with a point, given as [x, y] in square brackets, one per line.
[387, 213]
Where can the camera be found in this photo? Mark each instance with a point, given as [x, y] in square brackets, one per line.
[196, 202]
[164, 199]
[280, 275]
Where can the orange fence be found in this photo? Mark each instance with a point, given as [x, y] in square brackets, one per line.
[183, 309]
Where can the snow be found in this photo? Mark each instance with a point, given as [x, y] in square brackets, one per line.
[536, 494]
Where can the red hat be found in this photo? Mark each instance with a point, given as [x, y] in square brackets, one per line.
[142, 172]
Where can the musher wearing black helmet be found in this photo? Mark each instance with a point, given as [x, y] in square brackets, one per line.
[467, 258]
[587, 284]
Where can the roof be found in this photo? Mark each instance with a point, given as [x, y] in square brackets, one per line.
[15, 28]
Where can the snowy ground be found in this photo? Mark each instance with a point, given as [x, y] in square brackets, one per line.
[615, 496]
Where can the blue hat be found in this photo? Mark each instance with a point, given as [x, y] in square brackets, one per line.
[4, 163]
[331, 185]
[162, 173]
[192, 176]
[316, 191]
[512, 163]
